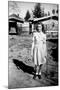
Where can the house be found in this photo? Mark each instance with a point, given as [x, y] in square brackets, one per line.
[15, 23]
[44, 20]
[50, 24]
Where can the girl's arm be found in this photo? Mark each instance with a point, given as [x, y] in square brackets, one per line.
[34, 38]
[44, 39]
[33, 43]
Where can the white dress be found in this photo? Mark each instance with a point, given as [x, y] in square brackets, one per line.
[39, 52]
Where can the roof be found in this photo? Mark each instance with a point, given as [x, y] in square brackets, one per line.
[16, 18]
[44, 18]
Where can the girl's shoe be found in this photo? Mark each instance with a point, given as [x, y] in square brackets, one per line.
[39, 76]
[34, 76]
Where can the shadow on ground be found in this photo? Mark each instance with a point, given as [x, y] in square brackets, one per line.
[24, 67]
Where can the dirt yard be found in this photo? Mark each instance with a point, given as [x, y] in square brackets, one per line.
[20, 62]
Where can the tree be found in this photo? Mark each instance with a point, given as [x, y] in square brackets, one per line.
[42, 12]
[37, 12]
[57, 9]
[53, 11]
[27, 16]
[13, 7]
[48, 13]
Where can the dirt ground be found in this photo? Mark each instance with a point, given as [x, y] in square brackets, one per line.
[20, 62]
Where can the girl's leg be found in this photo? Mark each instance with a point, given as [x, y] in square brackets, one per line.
[39, 71]
[35, 68]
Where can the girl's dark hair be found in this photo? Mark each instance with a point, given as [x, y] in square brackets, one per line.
[42, 26]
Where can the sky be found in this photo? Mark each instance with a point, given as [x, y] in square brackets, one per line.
[21, 8]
